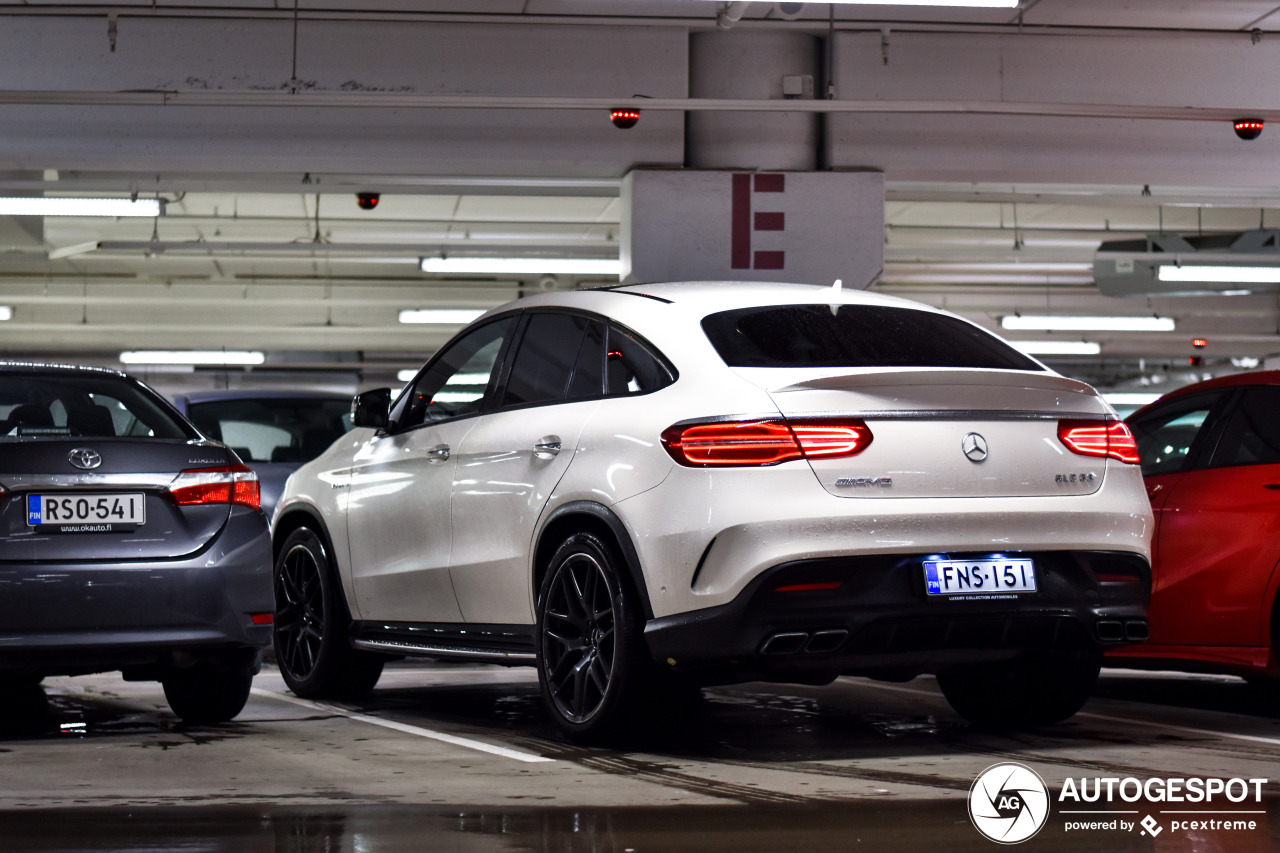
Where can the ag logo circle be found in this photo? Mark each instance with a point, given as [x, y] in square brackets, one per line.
[1008, 803]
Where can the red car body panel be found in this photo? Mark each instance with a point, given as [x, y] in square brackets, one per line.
[1216, 561]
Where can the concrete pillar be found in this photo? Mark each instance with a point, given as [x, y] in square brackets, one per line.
[753, 65]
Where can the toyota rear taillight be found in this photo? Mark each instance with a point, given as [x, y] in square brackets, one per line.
[763, 442]
[228, 484]
[1106, 438]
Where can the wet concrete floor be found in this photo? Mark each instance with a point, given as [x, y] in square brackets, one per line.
[462, 758]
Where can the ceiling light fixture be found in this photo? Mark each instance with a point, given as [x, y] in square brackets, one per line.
[406, 375]
[1131, 398]
[1062, 323]
[1058, 347]
[443, 316]
[209, 357]
[975, 4]
[6, 312]
[524, 266]
[150, 207]
[1222, 274]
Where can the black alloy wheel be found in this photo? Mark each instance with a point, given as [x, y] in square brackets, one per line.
[312, 645]
[299, 612]
[579, 638]
[589, 667]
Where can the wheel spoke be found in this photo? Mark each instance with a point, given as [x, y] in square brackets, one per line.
[580, 686]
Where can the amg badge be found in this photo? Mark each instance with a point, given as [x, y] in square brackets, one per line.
[865, 482]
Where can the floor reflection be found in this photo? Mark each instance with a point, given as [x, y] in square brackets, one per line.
[900, 826]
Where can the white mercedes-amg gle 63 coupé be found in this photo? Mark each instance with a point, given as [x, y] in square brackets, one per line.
[643, 490]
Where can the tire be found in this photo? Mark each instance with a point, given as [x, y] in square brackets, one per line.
[592, 667]
[206, 693]
[1036, 690]
[311, 633]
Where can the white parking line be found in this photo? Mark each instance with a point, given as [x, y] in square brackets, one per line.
[1130, 721]
[417, 731]
[1255, 738]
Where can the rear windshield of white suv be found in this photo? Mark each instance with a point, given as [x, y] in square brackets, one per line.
[855, 336]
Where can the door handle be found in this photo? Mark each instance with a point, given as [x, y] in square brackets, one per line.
[547, 446]
[1275, 485]
[439, 453]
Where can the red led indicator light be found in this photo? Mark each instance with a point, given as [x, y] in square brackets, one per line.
[624, 119]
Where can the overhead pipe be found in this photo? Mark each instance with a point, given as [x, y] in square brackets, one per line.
[730, 14]
[398, 100]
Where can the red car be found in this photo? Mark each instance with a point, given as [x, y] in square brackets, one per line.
[1210, 455]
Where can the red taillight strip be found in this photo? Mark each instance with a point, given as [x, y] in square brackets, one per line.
[1107, 438]
[763, 442]
[732, 443]
[228, 484]
[810, 587]
[820, 439]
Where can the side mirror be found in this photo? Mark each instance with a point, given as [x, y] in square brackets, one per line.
[371, 408]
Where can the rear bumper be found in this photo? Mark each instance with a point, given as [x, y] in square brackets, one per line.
[880, 621]
[94, 616]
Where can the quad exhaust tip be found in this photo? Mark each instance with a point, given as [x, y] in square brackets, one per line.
[802, 642]
[1126, 631]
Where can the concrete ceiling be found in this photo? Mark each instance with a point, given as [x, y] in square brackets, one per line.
[1013, 142]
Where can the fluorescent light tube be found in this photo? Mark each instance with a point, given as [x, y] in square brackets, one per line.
[1063, 323]
[406, 375]
[215, 357]
[6, 312]
[1058, 347]
[1220, 274]
[454, 316]
[80, 207]
[976, 4]
[1131, 398]
[980, 4]
[524, 266]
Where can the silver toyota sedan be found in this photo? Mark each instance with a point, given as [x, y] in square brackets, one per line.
[128, 542]
[643, 490]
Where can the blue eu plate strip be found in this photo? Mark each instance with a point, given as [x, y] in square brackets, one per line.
[931, 578]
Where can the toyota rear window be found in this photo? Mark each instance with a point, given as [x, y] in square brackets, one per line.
[55, 405]
[855, 336]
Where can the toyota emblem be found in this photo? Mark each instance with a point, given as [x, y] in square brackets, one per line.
[974, 447]
[84, 458]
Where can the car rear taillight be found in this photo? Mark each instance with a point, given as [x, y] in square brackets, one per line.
[1099, 438]
[228, 484]
[763, 442]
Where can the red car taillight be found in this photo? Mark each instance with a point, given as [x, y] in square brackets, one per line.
[229, 484]
[1099, 438]
[763, 442]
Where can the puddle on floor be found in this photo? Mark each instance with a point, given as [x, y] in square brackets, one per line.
[854, 825]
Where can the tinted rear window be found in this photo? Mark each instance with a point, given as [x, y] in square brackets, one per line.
[34, 405]
[855, 336]
[280, 429]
